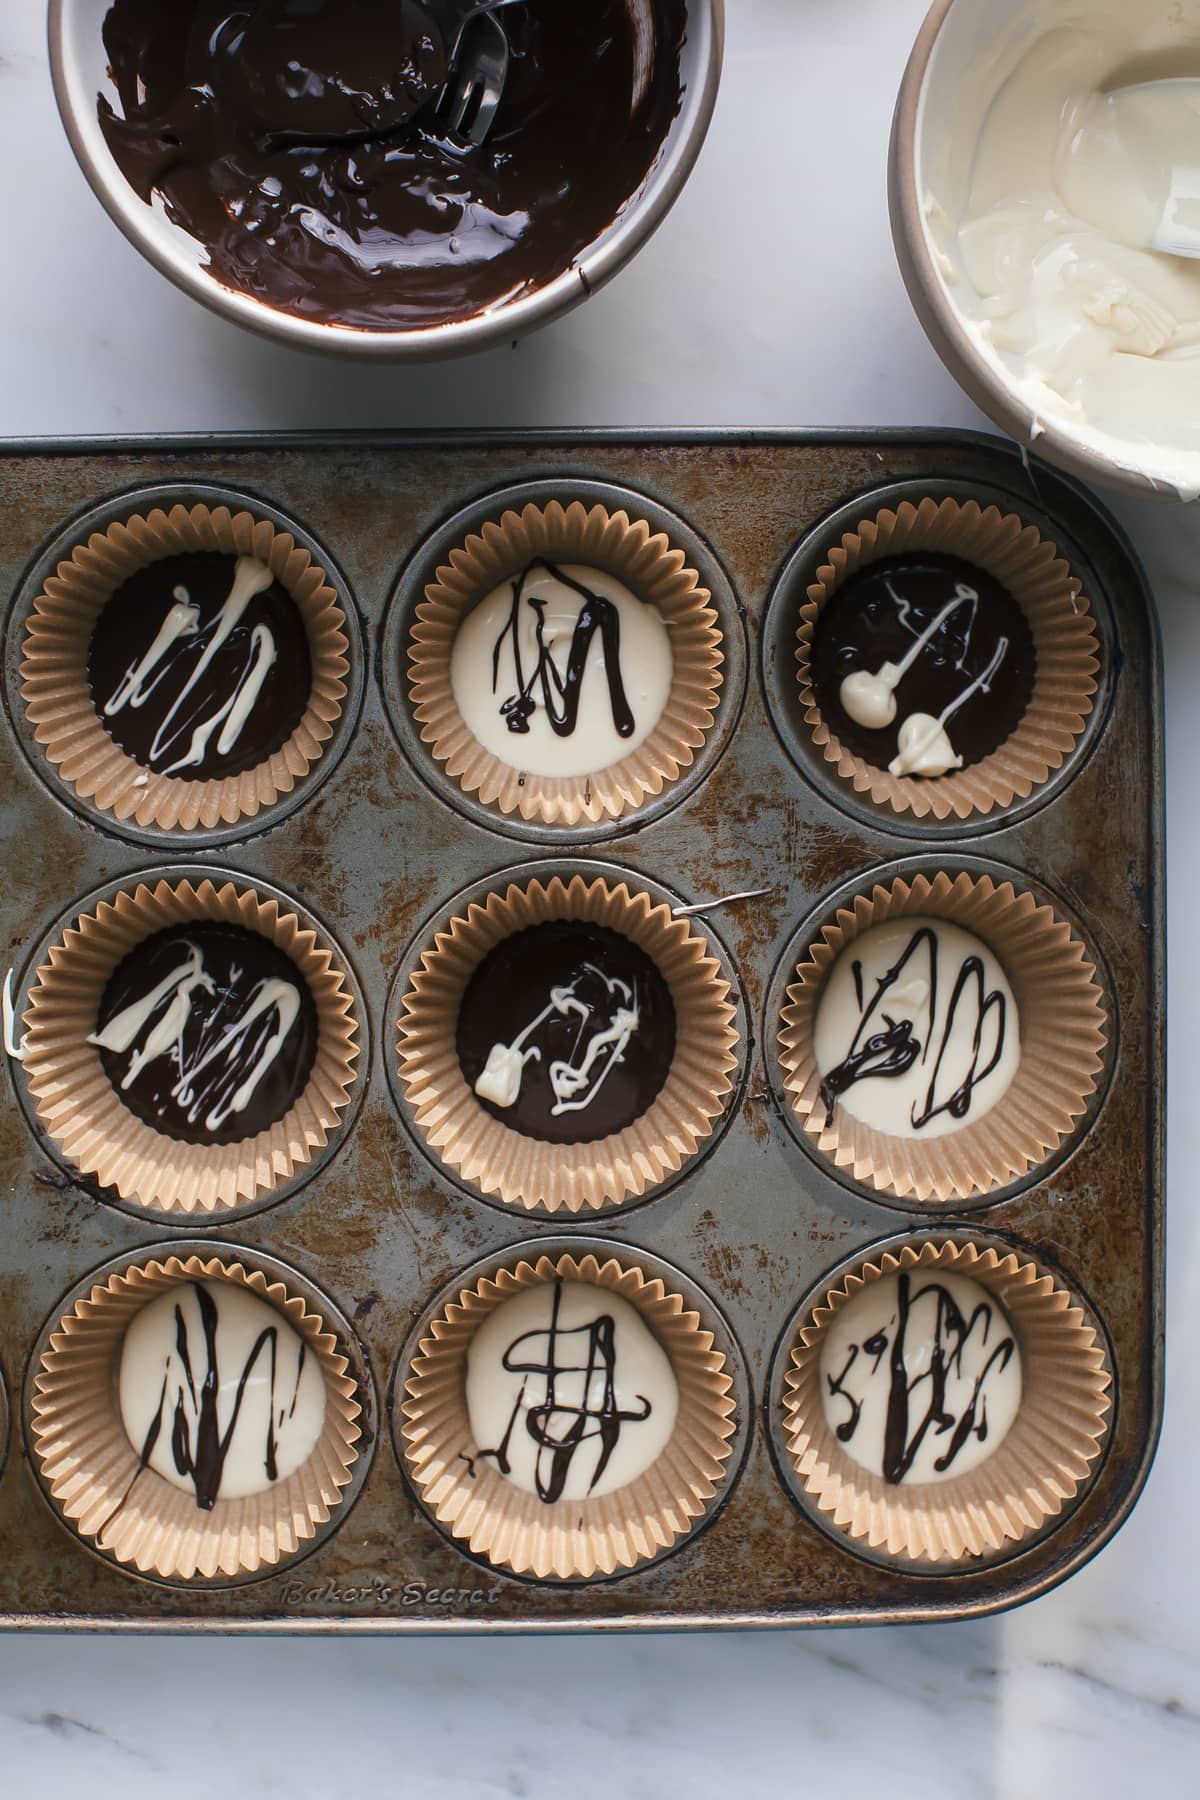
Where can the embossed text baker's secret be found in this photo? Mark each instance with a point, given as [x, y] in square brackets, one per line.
[387, 1594]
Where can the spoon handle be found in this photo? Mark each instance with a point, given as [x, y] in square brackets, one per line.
[459, 14]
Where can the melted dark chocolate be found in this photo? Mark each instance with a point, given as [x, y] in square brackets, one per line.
[560, 695]
[877, 616]
[513, 985]
[158, 724]
[886, 1045]
[229, 112]
[907, 1425]
[557, 1427]
[214, 974]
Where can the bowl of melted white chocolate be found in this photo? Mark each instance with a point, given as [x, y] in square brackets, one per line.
[1036, 152]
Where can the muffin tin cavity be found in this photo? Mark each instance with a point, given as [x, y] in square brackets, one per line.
[611, 1395]
[536, 562]
[941, 1402]
[596, 1083]
[934, 540]
[942, 1033]
[260, 1434]
[543, 1088]
[195, 1044]
[184, 665]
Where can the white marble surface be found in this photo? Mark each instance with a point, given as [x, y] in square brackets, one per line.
[794, 315]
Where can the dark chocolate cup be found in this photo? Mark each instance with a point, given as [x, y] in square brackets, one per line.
[1065, 640]
[54, 671]
[80, 1110]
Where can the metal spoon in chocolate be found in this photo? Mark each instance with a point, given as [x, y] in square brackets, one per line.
[301, 71]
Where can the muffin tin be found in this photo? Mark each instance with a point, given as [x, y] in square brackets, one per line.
[375, 849]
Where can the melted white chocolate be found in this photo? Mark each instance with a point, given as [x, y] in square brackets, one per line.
[1041, 201]
[13, 1046]
[920, 1383]
[491, 664]
[917, 1031]
[923, 742]
[264, 1390]
[568, 1391]
[574, 1081]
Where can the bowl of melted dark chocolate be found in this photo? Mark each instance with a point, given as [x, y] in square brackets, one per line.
[280, 159]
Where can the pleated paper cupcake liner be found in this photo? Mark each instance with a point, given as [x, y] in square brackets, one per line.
[1048, 1453]
[54, 669]
[567, 1539]
[524, 1171]
[1063, 1031]
[93, 1472]
[654, 571]
[83, 1114]
[1064, 635]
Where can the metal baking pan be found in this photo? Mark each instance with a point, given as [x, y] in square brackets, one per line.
[374, 852]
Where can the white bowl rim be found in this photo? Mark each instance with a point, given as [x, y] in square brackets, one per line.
[942, 322]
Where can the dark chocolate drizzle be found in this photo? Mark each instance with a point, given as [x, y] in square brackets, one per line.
[294, 140]
[892, 1050]
[176, 1091]
[199, 1449]
[560, 695]
[876, 617]
[558, 1428]
[906, 1429]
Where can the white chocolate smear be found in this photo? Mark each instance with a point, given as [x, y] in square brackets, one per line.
[574, 1081]
[924, 746]
[13, 1046]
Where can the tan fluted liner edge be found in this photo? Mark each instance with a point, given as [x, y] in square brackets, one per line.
[568, 1539]
[1039, 1467]
[92, 1471]
[79, 1108]
[1062, 1022]
[653, 570]
[1064, 635]
[54, 659]
[523, 1171]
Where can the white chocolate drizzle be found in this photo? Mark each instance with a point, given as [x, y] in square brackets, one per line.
[13, 1046]
[870, 698]
[220, 1077]
[571, 1078]
[707, 906]
[924, 743]
[250, 578]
